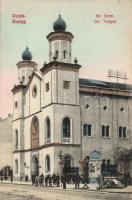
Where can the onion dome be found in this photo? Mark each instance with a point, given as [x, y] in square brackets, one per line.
[26, 55]
[59, 25]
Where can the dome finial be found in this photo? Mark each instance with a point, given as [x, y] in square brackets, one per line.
[59, 25]
[26, 55]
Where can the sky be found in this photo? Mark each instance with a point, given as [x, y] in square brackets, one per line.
[98, 45]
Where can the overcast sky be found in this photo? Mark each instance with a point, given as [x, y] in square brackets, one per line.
[98, 46]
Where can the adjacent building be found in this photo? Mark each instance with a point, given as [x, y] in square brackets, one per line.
[6, 140]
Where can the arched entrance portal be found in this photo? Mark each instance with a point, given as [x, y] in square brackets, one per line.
[35, 166]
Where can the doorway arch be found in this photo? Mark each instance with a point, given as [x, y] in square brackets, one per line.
[86, 167]
[35, 166]
[68, 163]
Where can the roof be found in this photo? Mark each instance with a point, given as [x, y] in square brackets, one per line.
[18, 87]
[62, 64]
[104, 84]
[35, 73]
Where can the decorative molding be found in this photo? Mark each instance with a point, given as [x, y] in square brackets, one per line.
[47, 146]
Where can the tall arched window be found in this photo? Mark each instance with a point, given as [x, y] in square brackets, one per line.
[56, 54]
[66, 127]
[34, 133]
[16, 139]
[16, 166]
[47, 163]
[64, 54]
[48, 127]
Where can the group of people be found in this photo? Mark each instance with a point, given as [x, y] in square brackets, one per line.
[54, 180]
[47, 180]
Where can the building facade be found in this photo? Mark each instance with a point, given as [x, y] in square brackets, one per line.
[6, 157]
[62, 123]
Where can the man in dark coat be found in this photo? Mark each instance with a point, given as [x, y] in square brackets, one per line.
[77, 181]
[63, 180]
[46, 180]
[58, 180]
[54, 179]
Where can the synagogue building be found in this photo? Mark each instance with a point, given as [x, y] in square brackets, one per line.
[66, 124]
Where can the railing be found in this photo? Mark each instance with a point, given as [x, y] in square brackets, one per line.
[47, 140]
[66, 140]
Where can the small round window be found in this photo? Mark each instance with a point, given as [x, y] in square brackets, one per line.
[121, 109]
[87, 106]
[34, 91]
[105, 108]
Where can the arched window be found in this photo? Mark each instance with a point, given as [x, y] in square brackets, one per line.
[87, 129]
[56, 54]
[66, 127]
[64, 53]
[47, 163]
[35, 165]
[34, 133]
[16, 166]
[48, 127]
[16, 139]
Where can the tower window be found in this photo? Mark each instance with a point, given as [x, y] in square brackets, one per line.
[87, 106]
[56, 54]
[16, 166]
[16, 104]
[34, 91]
[87, 129]
[105, 131]
[47, 87]
[16, 139]
[47, 128]
[47, 163]
[23, 78]
[66, 127]
[122, 132]
[122, 109]
[64, 53]
[105, 108]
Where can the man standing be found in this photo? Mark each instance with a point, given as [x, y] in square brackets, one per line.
[77, 181]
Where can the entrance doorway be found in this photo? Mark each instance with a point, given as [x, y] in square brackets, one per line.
[67, 164]
[35, 166]
[86, 167]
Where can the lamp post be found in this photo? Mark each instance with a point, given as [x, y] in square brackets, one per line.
[61, 163]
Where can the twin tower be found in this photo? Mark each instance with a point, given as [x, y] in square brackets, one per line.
[59, 50]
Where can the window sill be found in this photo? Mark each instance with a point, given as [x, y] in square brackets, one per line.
[47, 171]
[47, 140]
[122, 138]
[89, 136]
[66, 140]
[105, 137]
